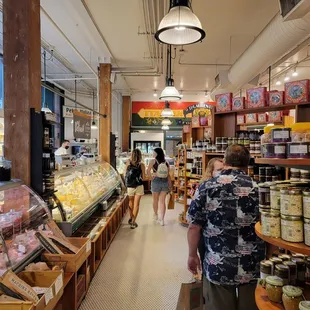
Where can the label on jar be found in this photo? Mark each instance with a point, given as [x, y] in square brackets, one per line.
[298, 149]
[279, 149]
[307, 234]
[306, 203]
[292, 231]
[280, 135]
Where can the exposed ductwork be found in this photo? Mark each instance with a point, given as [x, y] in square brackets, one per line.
[275, 41]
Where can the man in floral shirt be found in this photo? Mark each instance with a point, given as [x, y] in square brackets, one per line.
[226, 209]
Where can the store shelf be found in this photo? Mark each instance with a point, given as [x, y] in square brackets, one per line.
[201, 127]
[302, 163]
[215, 154]
[195, 176]
[278, 242]
[259, 124]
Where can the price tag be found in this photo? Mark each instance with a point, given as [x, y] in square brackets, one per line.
[58, 284]
[88, 246]
[48, 295]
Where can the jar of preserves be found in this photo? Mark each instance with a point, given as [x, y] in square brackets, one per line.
[274, 286]
[282, 271]
[271, 223]
[285, 257]
[307, 231]
[301, 270]
[292, 228]
[295, 174]
[304, 305]
[270, 171]
[293, 271]
[266, 268]
[291, 297]
[291, 201]
[275, 197]
[276, 260]
[305, 175]
[264, 194]
[306, 203]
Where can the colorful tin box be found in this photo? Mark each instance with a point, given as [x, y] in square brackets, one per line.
[262, 117]
[223, 102]
[276, 98]
[240, 119]
[238, 103]
[256, 97]
[275, 116]
[297, 92]
[209, 120]
[251, 118]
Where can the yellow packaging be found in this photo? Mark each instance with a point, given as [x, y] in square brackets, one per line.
[301, 132]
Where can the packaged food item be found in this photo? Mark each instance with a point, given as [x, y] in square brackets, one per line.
[256, 97]
[285, 257]
[304, 305]
[282, 271]
[264, 194]
[276, 98]
[238, 103]
[251, 118]
[273, 150]
[271, 223]
[195, 121]
[306, 204]
[307, 231]
[291, 201]
[265, 269]
[291, 297]
[297, 92]
[262, 117]
[298, 150]
[275, 116]
[300, 132]
[240, 119]
[293, 271]
[301, 270]
[274, 286]
[223, 102]
[209, 120]
[304, 175]
[279, 135]
[275, 196]
[292, 228]
[294, 174]
[276, 260]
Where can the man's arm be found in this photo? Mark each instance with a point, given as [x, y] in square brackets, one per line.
[193, 236]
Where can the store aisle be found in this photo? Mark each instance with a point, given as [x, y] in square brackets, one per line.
[144, 268]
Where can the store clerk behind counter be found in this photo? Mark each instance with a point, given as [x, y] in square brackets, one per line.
[63, 150]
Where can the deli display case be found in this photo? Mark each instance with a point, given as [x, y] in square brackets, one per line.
[80, 191]
[22, 213]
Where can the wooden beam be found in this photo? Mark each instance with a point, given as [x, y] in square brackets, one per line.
[22, 80]
[105, 105]
[126, 123]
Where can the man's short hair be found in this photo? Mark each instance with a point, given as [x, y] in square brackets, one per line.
[65, 141]
[237, 155]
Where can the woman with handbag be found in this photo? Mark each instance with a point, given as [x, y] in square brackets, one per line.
[134, 176]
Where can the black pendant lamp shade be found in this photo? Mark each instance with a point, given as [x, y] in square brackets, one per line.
[180, 26]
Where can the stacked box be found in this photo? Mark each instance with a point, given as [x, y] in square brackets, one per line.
[238, 103]
[240, 119]
[275, 116]
[251, 118]
[195, 121]
[223, 102]
[256, 97]
[262, 117]
[276, 98]
[297, 92]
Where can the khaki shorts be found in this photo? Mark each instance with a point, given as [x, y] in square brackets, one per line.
[132, 191]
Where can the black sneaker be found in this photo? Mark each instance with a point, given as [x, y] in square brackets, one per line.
[130, 221]
[135, 224]
[132, 226]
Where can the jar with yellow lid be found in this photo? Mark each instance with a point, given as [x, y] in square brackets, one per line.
[304, 305]
[274, 286]
[291, 297]
[300, 132]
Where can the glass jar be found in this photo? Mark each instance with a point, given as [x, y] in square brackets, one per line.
[271, 223]
[307, 275]
[269, 171]
[274, 286]
[293, 271]
[282, 271]
[291, 201]
[295, 174]
[266, 268]
[304, 305]
[276, 260]
[305, 175]
[301, 270]
[292, 228]
[306, 203]
[307, 231]
[291, 297]
[285, 257]
[251, 171]
[264, 194]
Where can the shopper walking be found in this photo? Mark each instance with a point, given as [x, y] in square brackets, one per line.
[226, 208]
[134, 176]
[158, 172]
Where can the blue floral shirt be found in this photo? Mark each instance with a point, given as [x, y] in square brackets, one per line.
[226, 207]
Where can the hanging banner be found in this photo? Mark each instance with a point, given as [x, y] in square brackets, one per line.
[68, 111]
[81, 125]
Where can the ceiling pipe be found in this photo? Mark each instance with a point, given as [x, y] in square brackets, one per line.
[73, 79]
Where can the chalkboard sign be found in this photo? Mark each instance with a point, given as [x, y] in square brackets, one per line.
[81, 125]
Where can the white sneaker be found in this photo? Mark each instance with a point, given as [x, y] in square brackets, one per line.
[161, 222]
[155, 217]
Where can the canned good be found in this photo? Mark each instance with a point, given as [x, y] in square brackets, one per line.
[291, 201]
[292, 229]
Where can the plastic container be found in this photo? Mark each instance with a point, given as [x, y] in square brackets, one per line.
[281, 135]
[291, 201]
[298, 150]
[300, 132]
[292, 228]
[274, 286]
[291, 297]
[271, 223]
[273, 150]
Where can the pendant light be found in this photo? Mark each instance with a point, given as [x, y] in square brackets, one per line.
[180, 26]
[166, 121]
[167, 112]
[45, 107]
[170, 92]
[165, 127]
[93, 124]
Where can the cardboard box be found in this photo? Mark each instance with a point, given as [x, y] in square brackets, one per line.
[251, 118]
[238, 103]
[297, 92]
[275, 116]
[223, 102]
[256, 97]
[52, 279]
[240, 119]
[276, 98]
[262, 117]
[74, 261]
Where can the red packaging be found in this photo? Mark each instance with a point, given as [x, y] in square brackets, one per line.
[251, 118]
[256, 97]
[262, 117]
[238, 103]
[276, 98]
[297, 92]
[275, 116]
[240, 119]
[186, 129]
[223, 102]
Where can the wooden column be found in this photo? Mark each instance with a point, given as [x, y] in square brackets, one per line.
[22, 80]
[105, 105]
[126, 123]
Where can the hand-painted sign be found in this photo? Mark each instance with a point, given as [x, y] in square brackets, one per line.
[68, 111]
[81, 125]
[145, 114]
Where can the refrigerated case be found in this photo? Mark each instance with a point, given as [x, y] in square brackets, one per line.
[146, 146]
[22, 213]
[80, 191]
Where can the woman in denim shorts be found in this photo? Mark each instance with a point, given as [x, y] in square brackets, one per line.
[158, 172]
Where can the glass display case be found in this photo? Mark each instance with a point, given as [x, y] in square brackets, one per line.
[80, 190]
[22, 213]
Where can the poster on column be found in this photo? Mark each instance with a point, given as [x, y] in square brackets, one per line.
[81, 125]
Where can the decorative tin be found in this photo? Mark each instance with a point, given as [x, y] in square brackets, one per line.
[240, 119]
[275, 116]
[297, 92]
[276, 98]
[209, 120]
[238, 103]
[223, 102]
[262, 117]
[251, 118]
[195, 121]
[256, 97]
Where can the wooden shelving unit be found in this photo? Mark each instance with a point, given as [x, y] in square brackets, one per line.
[298, 163]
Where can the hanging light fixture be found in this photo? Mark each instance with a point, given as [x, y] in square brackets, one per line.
[170, 92]
[155, 93]
[93, 124]
[167, 112]
[181, 93]
[165, 127]
[45, 107]
[278, 82]
[180, 26]
[287, 78]
[295, 73]
[166, 121]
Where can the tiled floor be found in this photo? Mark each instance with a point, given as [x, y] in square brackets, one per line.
[144, 268]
